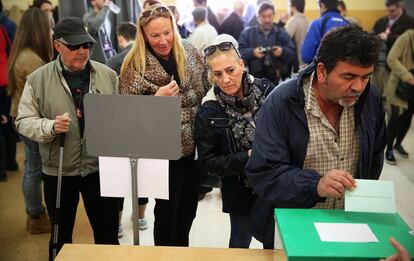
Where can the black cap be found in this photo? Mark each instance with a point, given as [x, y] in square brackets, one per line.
[73, 31]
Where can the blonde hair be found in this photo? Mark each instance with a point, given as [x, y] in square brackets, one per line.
[136, 58]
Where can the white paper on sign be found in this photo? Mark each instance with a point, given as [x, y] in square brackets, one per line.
[345, 232]
[115, 177]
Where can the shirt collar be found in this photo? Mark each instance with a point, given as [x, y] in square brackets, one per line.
[310, 99]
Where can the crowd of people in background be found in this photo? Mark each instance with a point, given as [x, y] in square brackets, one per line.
[224, 70]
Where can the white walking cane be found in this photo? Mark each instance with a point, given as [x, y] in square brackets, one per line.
[58, 192]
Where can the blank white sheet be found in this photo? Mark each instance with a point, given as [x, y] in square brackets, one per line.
[345, 232]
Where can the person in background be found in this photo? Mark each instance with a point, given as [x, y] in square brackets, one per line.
[267, 48]
[99, 26]
[344, 13]
[203, 33]
[253, 21]
[222, 13]
[249, 12]
[68, 79]
[32, 48]
[330, 18]
[319, 132]
[7, 31]
[161, 64]
[4, 99]
[3, 150]
[233, 24]
[184, 32]
[6, 24]
[211, 16]
[234, 101]
[126, 33]
[46, 6]
[401, 62]
[297, 26]
[388, 28]
[15, 14]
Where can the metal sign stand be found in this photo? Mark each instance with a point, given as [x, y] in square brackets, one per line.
[133, 126]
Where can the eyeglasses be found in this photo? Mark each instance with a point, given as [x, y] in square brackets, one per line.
[157, 11]
[161, 11]
[224, 46]
[75, 47]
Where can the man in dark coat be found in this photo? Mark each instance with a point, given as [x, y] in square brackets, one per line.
[267, 48]
[233, 24]
[319, 132]
[126, 33]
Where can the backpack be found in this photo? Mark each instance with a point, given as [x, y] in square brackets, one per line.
[5, 47]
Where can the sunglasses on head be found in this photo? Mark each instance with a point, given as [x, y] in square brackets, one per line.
[75, 47]
[156, 11]
[224, 46]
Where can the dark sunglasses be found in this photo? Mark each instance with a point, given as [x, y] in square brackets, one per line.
[75, 47]
[156, 11]
[224, 46]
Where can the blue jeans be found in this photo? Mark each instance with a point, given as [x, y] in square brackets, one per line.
[240, 235]
[32, 178]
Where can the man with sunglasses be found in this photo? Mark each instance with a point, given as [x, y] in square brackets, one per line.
[52, 105]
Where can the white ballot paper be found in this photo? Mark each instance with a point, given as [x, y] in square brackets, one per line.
[371, 196]
[115, 177]
[345, 232]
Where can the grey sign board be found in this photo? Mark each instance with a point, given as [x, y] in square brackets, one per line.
[134, 126]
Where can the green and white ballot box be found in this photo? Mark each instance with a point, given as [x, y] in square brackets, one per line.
[322, 234]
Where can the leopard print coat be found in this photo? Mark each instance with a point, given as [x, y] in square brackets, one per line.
[192, 89]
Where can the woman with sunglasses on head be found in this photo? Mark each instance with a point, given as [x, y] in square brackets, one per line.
[225, 126]
[161, 64]
[32, 48]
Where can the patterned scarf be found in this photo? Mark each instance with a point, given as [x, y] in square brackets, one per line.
[235, 108]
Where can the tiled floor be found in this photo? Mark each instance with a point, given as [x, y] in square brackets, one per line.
[211, 227]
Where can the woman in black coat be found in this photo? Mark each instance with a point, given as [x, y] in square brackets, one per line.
[225, 127]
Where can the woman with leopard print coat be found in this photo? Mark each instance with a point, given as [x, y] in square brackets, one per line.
[162, 64]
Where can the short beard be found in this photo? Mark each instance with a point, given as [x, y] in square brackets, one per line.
[347, 105]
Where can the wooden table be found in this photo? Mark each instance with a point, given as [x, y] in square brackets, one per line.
[87, 252]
